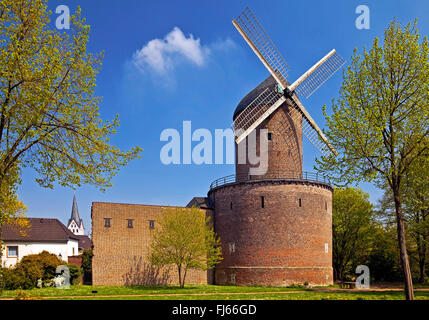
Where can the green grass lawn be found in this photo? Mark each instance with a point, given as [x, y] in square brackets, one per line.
[85, 290]
[211, 292]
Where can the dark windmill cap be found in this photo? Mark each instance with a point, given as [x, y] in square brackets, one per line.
[269, 82]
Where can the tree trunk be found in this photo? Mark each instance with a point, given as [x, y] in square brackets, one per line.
[422, 277]
[422, 257]
[409, 293]
[179, 271]
[335, 273]
[338, 270]
[184, 277]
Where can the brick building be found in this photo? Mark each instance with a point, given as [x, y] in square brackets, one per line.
[121, 235]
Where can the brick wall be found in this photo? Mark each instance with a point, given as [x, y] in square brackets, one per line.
[280, 244]
[120, 253]
[77, 260]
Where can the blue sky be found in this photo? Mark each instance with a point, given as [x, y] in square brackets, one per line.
[201, 79]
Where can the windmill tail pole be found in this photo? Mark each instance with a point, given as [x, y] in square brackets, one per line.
[293, 86]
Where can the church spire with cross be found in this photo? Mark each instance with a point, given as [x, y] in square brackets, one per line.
[75, 224]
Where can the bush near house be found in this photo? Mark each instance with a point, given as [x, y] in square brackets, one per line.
[48, 263]
[26, 273]
[75, 273]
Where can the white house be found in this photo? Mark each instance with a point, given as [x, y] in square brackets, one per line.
[43, 234]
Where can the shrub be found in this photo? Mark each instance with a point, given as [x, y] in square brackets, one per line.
[75, 273]
[47, 261]
[23, 275]
[22, 295]
[29, 272]
[11, 280]
[26, 273]
[87, 266]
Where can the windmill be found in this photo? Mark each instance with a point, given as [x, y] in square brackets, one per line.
[270, 99]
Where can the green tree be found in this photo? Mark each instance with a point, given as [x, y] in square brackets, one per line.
[380, 121]
[49, 117]
[87, 266]
[351, 227]
[383, 257]
[416, 199]
[415, 195]
[185, 238]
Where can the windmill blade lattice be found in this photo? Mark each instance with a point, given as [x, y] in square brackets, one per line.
[260, 42]
[256, 112]
[320, 75]
[309, 131]
[265, 104]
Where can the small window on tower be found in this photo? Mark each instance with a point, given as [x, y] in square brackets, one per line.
[270, 136]
[230, 205]
[151, 224]
[326, 206]
[262, 202]
[231, 247]
[233, 278]
[130, 223]
[107, 222]
[300, 202]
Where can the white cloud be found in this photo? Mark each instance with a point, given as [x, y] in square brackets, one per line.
[161, 55]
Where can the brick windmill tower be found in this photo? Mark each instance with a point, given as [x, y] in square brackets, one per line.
[275, 223]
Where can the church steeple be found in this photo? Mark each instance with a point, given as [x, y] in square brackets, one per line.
[75, 224]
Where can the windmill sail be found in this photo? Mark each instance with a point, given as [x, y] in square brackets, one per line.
[256, 37]
[317, 75]
[255, 112]
[311, 130]
[269, 100]
[265, 104]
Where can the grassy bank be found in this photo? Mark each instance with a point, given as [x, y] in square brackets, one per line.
[209, 292]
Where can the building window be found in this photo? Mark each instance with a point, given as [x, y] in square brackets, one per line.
[326, 248]
[107, 222]
[151, 224]
[233, 278]
[130, 223]
[12, 252]
[300, 202]
[262, 202]
[269, 136]
[232, 247]
[230, 205]
[326, 206]
[73, 251]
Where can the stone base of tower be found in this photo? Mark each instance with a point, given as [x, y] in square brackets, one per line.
[274, 232]
[278, 276]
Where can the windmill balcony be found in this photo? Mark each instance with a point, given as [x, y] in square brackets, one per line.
[303, 176]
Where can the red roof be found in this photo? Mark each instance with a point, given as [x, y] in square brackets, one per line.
[85, 242]
[40, 230]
